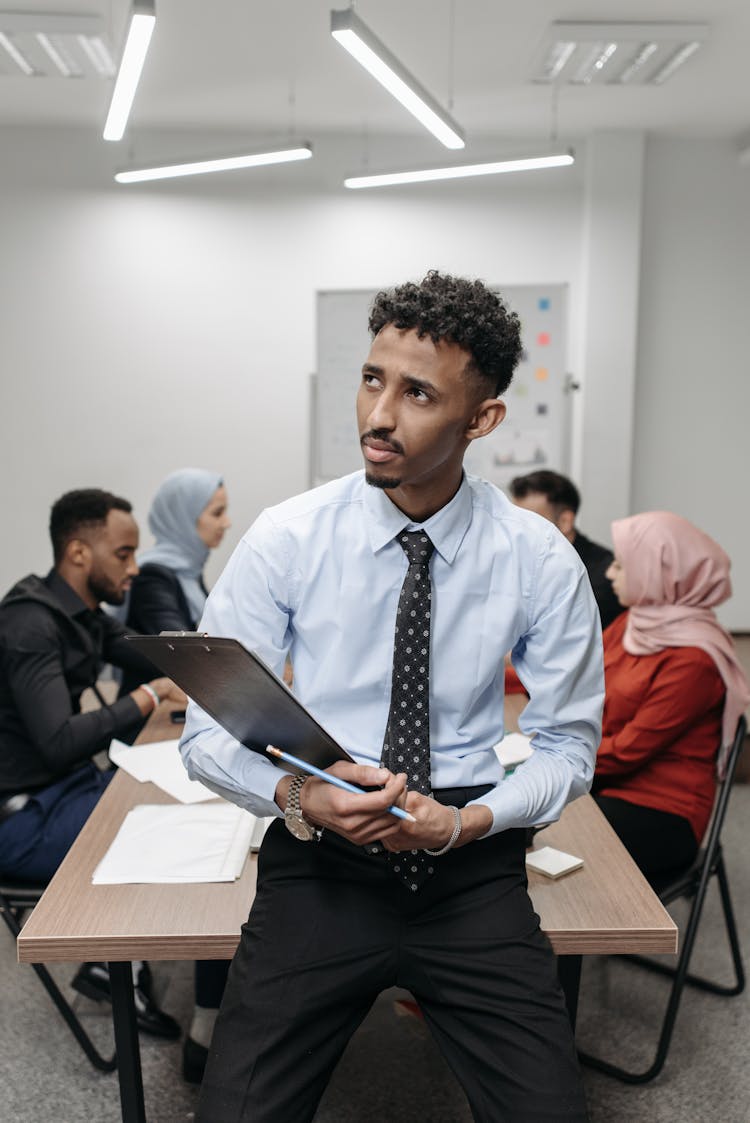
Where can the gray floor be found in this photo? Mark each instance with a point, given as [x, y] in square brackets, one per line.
[44, 1075]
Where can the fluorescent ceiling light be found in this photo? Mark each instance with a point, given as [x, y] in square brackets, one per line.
[643, 54]
[593, 53]
[55, 44]
[224, 164]
[677, 59]
[19, 59]
[57, 54]
[97, 54]
[556, 60]
[140, 30]
[498, 167]
[348, 30]
[596, 60]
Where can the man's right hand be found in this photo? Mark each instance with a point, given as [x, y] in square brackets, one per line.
[164, 689]
[362, 819]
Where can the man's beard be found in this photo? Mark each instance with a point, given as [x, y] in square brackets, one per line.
[381, 481]
[105, 592]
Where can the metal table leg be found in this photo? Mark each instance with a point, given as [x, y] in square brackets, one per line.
[569, 974]
[126, 1043]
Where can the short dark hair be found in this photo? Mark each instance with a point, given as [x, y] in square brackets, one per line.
[87, 507]
[458, 311]
[561, 492]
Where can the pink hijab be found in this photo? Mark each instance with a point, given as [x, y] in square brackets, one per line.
[674, 575]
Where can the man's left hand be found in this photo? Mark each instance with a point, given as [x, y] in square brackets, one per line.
[435, 824]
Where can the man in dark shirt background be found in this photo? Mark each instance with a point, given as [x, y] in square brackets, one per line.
[556, 498]
[54, 640]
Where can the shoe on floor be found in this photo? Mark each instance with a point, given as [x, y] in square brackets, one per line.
[194, 1057]
[92, 980]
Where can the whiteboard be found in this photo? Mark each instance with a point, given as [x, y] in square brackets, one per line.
[536, 431]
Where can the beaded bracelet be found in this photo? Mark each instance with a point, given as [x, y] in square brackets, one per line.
[453, 838]
[152, 694]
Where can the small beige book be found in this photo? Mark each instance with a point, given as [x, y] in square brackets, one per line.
[551, 862]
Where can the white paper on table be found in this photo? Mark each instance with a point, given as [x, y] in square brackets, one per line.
[172, 843]
[161, 763]
[514, 749]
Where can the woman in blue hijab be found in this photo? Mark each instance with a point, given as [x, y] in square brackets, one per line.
[188, 519]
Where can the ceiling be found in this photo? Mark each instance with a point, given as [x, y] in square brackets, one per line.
[272, 68]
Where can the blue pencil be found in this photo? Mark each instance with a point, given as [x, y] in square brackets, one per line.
[337, 783]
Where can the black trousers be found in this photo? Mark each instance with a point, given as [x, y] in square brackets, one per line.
[332, 927]
[661, 844]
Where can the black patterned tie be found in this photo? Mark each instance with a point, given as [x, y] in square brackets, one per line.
[407, 735]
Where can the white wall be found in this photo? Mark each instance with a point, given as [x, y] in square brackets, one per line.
[692, 415]
[145, 329]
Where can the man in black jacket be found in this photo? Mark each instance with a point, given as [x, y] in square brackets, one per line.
[556, 498]
[54, 641]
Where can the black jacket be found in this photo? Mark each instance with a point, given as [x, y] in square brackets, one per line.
[156, 604]
[52, 647]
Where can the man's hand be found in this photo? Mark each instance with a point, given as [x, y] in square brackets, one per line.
[163, 689]
[362, 819]
[434, 825]
[170, 691]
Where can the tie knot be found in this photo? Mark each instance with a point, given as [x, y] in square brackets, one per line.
[416, 545]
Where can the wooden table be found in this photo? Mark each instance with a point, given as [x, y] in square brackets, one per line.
[603, 908]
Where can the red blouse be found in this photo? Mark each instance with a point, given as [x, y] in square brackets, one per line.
[661, 728]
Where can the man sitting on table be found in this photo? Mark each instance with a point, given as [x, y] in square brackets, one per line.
[352, 900]
[54, 641]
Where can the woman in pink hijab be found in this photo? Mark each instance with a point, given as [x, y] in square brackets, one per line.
[674, 690]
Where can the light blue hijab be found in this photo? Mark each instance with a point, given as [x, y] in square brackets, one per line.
[174, 512]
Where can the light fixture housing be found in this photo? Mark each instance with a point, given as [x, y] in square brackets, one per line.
[297, 151]
[364, 46]
[459, 171]
[140, 29]
[53, 45]
[587, 53]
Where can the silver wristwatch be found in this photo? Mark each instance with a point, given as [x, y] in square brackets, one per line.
[293, 817]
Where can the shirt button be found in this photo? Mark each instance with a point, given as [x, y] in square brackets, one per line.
[374, 849]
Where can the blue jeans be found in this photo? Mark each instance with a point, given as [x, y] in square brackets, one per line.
[34, 841]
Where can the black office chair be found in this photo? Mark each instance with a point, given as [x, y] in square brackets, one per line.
[16, 898]
[691, 884]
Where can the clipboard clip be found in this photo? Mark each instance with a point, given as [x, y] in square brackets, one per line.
[180, 635]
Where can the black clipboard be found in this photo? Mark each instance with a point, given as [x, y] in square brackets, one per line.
[242, 694]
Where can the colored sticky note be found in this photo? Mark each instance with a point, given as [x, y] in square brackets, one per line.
[544, 303]
[543, 338]
[541, 374]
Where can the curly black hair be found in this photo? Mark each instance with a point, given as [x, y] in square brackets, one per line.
[458, 311]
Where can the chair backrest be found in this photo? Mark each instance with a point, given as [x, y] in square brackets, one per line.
[725, 786]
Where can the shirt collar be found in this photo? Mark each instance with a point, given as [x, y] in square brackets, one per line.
[446, 528]
[69, 600]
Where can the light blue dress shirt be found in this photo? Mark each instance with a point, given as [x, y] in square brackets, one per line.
[319, 576]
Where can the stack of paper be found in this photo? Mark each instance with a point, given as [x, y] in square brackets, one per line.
[159, 762]
[514, 749]
[165, 843]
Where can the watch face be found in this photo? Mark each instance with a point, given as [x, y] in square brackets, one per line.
[299, 828]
